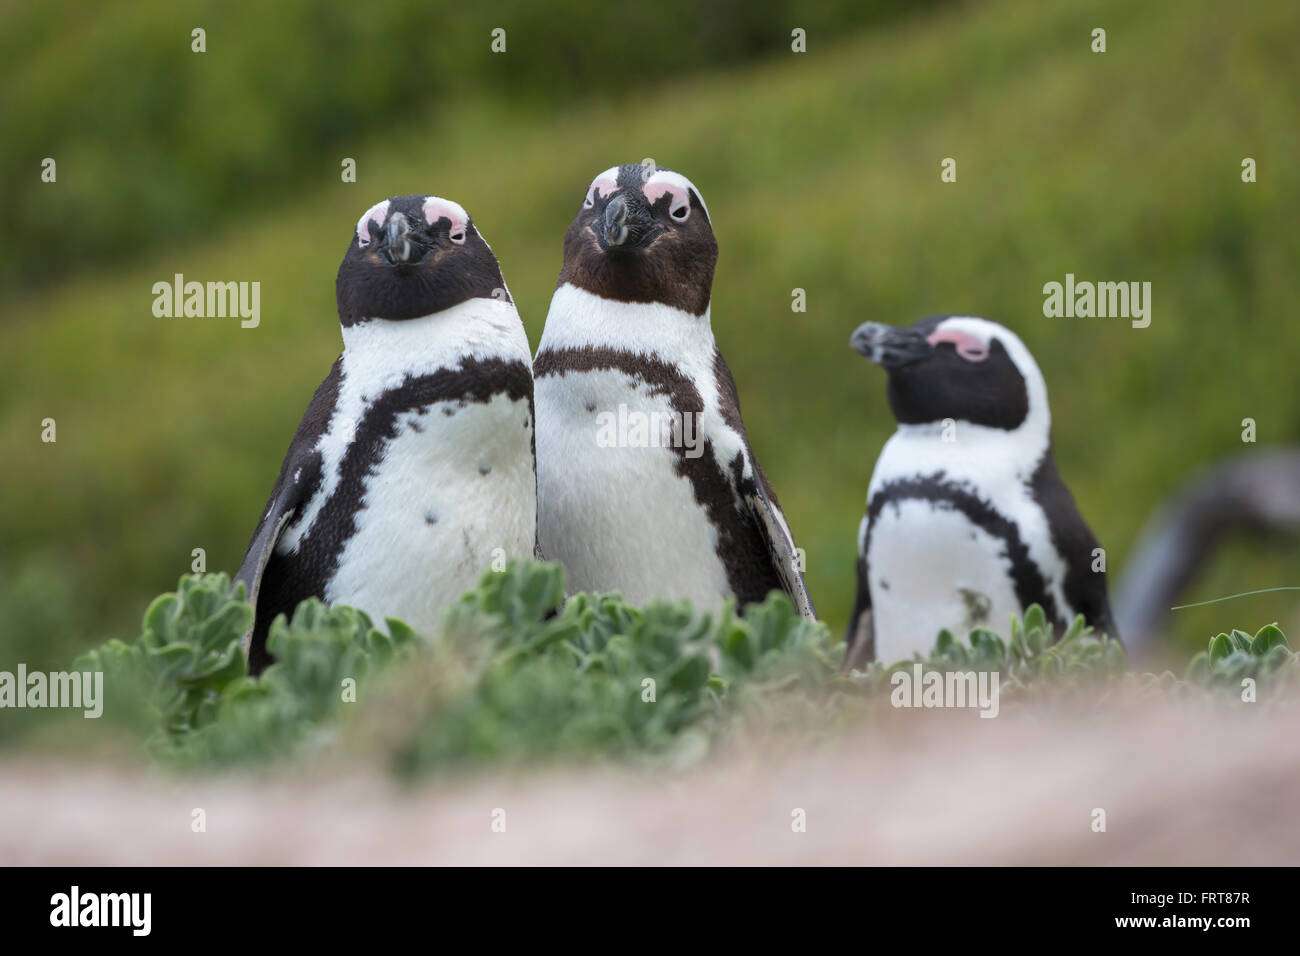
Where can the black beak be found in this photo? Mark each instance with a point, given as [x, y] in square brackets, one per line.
[614, 227]
[398, 247]
[625, 224]
[890, 347]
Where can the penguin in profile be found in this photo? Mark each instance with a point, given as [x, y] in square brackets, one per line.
[647, 484]
[413, 468]
[968, 521]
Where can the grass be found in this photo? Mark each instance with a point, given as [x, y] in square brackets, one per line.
[822, 173]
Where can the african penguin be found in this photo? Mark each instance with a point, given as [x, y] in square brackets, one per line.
[967, 521]
[414, 465]
[647, 484]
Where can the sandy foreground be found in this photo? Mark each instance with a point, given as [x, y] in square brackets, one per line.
[1178, 787]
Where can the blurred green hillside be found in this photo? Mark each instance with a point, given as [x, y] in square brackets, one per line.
[821, 171]
[156, 140]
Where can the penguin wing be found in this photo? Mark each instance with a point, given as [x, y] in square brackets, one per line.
[780, 544]
[761, 500]
[860, 638]
[298, 480]
[1084, 589]
[279, 512]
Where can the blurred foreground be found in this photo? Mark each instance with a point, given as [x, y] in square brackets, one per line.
[1180, 785]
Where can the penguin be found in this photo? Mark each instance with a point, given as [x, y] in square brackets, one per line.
[647, 484]
[967, 520]
[414, 468]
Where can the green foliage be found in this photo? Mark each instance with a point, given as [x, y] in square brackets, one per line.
[1231, 658]
[1032, 662]
[187, 653]
[184, 680]
[598, 677]
[519, 674]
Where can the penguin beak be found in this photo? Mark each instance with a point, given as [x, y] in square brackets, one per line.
[888, 346]
[398, 248]
[614, 225]
[625, 224]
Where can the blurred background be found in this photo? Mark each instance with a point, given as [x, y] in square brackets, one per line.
[821, 170]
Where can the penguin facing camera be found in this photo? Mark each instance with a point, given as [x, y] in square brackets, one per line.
[413, 468]
[672, 503]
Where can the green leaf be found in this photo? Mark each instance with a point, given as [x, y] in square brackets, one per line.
[1220, 648]
[1266, 638]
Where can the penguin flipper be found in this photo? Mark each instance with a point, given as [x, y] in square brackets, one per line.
[256, 557]
[780, 546]
[761, 499]
[860, 638]
[1085, 590]
[299, 477]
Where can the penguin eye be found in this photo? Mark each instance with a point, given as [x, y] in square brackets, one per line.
[680, 213]
[457, 235]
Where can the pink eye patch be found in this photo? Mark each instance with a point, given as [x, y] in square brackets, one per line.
[435, 209]
[968, 346]
[679, 202]
[606, 187]
[378, 214]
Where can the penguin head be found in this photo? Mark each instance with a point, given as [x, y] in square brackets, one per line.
[960, 367]
[642, 235]
[411, 256]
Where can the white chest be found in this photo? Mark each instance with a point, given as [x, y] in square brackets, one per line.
[941, 560]
[931, 568]
[447, 492]
[612, 506]
[450, 494]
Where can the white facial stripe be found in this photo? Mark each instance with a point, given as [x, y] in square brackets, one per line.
[1036, 426]
[970, 347]
[606, 182]
[679, 200]
[436, 208]
[377, 213]
[678, 181]
[985, 331]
